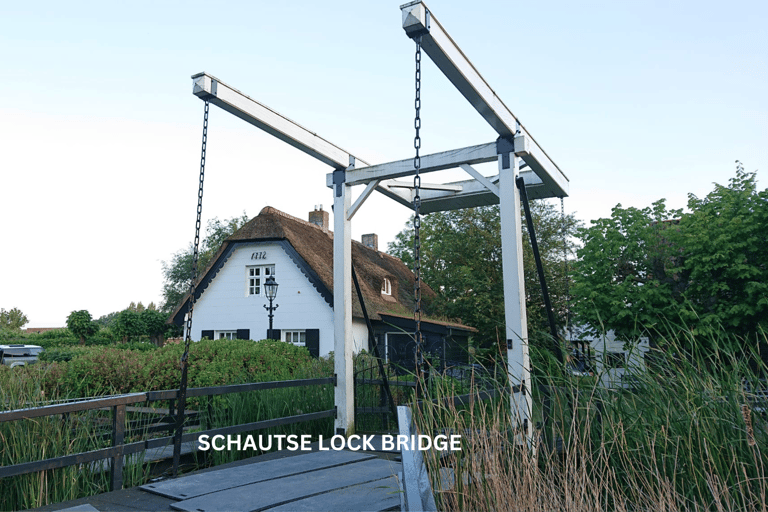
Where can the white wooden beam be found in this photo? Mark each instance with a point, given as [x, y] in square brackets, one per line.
[446, 187]
[473, 193]
[429, 163]
[343, 342]
[418, 21]
[210, 88]
[515, 315]
[361, 199]
[482, 179]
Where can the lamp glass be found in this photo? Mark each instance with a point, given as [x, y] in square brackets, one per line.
[270, 288]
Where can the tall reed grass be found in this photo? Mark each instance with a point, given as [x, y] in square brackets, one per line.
[689, 435]
[48, 437]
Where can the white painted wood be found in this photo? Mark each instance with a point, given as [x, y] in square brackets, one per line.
[554, 184]
[482, 179]
[361, 199]
[233, 101]
[429, 163]
[464, 76]
[446, 187]
[342, 310]
[473, 193]
[225, 306]
[518, 362]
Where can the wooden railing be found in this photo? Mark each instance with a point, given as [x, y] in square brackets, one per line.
[119, 449]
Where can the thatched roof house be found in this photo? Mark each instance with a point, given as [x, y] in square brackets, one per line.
[299, 254]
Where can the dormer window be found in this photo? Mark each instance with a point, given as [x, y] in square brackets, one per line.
[386, 287]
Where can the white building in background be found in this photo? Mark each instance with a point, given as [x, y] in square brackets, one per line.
[612, 360]
[230, 295]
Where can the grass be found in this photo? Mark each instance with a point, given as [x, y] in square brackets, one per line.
[686, 438]
[48, 437]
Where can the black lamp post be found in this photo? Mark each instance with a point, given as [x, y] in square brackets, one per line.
[270, 288]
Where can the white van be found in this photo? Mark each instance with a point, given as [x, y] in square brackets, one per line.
[19, 355]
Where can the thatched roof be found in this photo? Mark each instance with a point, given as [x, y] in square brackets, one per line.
[315, 246]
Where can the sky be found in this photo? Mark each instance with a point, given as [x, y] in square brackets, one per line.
[100, 133]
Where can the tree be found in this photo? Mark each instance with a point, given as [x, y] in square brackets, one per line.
[13, 319]
[645, 271]
[81, 324]
[461, 262]
[128, 324]
[155, 326]
[178, 271]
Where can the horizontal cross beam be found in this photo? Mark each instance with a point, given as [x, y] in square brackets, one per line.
[210, 88]
[435, 41]
[429, 163]
[472, 193]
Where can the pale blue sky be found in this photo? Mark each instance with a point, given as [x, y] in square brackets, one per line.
[100, 132]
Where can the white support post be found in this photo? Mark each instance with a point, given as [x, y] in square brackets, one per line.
[518, 363]
[343, 343]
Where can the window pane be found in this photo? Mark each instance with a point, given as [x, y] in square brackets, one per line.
[302, 337]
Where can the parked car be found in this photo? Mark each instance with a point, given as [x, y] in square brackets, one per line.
[19, 355]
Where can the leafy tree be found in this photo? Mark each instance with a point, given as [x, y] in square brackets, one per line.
[81, 324]
[12, 319]
[154, 325]
[178, 271]
[461, 262]
[644, 271]
[128, 324]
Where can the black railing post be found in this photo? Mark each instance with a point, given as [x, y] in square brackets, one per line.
[118, 439]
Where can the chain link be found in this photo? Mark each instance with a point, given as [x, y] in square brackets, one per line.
[192, 284]
[416, 212]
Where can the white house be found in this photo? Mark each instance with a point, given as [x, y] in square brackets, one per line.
[614, 361]
[299, 255]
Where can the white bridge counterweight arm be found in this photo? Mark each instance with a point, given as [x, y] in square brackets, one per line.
[435, 41]
[210, 88]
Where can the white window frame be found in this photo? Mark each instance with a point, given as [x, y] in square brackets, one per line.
[289, 335]
[264, 272]
[386, 287]
[225, 335]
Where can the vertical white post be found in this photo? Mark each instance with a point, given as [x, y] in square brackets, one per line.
[343, 342]
[518, 363]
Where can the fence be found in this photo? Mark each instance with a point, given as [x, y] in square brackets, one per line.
[458, 383]
[118, 449]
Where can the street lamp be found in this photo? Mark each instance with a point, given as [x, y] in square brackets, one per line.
[270, 288]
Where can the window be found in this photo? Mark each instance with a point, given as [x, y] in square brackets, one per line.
[614, 360]
[386, 286]
[226, 335]
[297, 336]
[255, 277]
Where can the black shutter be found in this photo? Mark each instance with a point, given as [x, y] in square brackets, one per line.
[206, 334]
[313, 342]
[274, 334]
[243, 334]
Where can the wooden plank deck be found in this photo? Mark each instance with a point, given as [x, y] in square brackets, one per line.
[278, 481]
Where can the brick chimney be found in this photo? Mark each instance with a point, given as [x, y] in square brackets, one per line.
[319, 217]
[371, 240]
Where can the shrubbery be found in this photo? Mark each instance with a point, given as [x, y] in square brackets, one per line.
[83, 371]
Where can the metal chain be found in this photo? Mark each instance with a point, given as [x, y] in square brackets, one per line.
[197, 238]
[187, 339]
[416, 212]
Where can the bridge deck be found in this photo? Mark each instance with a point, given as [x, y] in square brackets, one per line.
[279, 481]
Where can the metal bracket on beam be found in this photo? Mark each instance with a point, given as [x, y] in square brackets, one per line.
[339, 177]
[415, 19]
